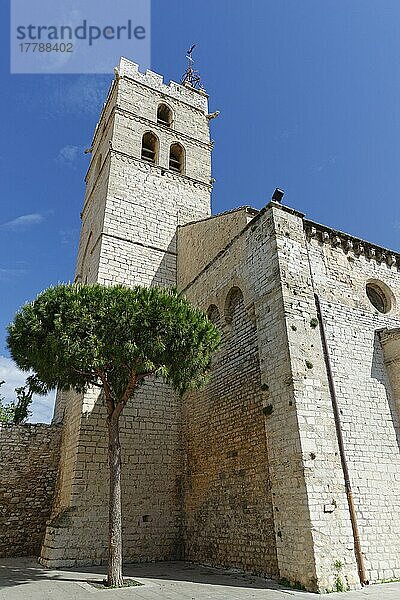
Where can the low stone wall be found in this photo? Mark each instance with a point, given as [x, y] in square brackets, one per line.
[29, 456]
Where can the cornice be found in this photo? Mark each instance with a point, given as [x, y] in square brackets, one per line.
[349, 243]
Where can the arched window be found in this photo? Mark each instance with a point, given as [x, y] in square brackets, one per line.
[150, 147]
[164, 115]
[233, 299]
[176, 158]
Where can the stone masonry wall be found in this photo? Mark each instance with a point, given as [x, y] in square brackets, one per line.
[317, 452]
[228, 508]
[228, 493]
[206, 238]
[311, 525]
[369, 413]
[139, 232]
[151, 487]
[29, 456]
[92, 227]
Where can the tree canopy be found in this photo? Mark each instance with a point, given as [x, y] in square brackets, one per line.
[71, 334]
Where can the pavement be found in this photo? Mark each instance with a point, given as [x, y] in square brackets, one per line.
[25, 579]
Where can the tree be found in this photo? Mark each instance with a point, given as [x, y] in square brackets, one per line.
[113, 338]
[24, 400]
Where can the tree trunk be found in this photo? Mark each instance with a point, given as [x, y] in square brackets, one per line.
[115, 520]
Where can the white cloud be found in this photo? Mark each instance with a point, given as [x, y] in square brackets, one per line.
[42, 406]
[69, 154]
[23, 222]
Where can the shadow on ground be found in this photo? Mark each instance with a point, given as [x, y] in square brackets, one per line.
[19, 571]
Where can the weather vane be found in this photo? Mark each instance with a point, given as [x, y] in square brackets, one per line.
[191, 76]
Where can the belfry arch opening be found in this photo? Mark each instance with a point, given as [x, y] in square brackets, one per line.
[164, 115]
[150, 148]
[177, 158]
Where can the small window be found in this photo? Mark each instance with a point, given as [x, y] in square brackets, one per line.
[164, 115]
[176, 158]
[378, 297]
[150, 147]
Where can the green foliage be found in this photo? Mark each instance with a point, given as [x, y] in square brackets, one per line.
[81, 335]
[314, 322]
[296, 585]
[339, 585]
[6, 410]
[17, 412]
[309, 364]
[24, 400]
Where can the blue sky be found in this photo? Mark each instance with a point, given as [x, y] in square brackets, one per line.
[309, 97]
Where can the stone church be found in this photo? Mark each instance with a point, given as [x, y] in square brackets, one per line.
[287, 463]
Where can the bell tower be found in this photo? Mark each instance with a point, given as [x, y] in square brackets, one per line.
[150, 172]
